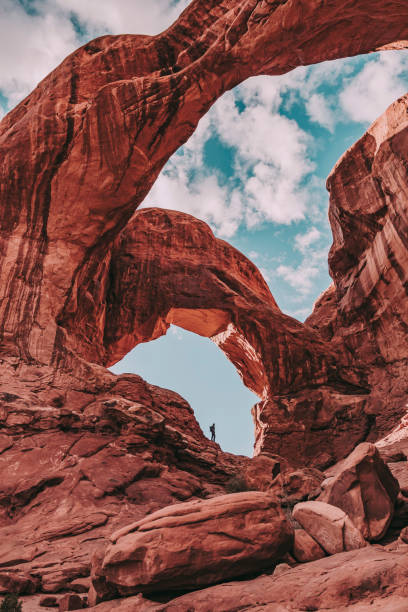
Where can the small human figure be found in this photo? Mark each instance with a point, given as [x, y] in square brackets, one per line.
[212, 430]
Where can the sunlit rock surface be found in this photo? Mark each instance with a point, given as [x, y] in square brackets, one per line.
[84, 452]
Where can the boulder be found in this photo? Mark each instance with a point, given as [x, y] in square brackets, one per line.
[329, 526]
[364, 487]
[305, 548]
[189, 545]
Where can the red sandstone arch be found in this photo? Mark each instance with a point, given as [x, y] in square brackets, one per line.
[168, 267]
[82, 151]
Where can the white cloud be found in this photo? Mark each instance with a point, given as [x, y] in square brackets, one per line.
[319, 111]
[123, 16]
[31, 45]
[262, 90]
[300, 277]
[204, 198]
[253, 255]
[304, 241]
[271, 161]
[376, 86]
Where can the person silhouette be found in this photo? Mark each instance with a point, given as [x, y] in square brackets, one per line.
[212, 430]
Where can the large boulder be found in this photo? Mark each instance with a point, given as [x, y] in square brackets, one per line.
[329, 526]
[198, 543]
[364, 487]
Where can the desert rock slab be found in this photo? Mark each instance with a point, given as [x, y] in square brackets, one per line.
[198, 543]
[333, 583]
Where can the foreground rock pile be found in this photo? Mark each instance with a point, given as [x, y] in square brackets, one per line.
[111, 497]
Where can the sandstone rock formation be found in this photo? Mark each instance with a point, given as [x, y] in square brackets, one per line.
[364, 314]
[194, 544]
[168, 267]
[83, 452]
[305, 548]
[329, 526]
[82, 151]
[72, 475]
[364, 487]
[101, 126]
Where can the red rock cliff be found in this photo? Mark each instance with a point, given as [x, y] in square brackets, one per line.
[364, 313]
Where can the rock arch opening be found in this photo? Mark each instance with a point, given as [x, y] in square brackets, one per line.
[194, 367]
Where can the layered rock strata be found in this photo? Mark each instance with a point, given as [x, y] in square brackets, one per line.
[82, 151]
[168, 267]
[338, 583]
[364, 313]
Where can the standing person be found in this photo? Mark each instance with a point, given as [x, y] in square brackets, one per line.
[212, 430]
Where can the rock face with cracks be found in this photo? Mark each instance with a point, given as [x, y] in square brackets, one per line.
[168, 267]
[84, 452]
[364, 487]
[364, 313]
[329, 526]
[197, 543]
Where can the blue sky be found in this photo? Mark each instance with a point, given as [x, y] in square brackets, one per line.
[255, 170]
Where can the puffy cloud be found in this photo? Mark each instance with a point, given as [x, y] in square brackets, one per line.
[304, 241]
[121, 16]
[204, 198]
[380, 82]
[300, 277]
[319, 111]
[271, 161]
[30, 47]
[34, 41]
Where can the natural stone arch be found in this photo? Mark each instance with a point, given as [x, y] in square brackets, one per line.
[168, 267]
[82, 151]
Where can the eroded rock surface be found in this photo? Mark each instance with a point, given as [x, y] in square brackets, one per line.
[336, 583]
[101, 127]
[82, 151]
[364, 487]
[364, 313]
[329, 526]
[74, 473]
[189, 545]
[168, 267]
[84, 452]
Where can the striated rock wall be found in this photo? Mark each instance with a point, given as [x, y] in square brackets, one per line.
[364, 313]
[81, 152]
